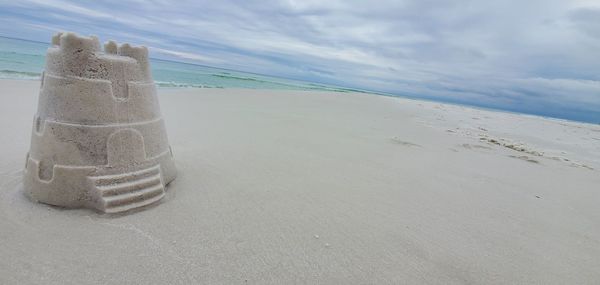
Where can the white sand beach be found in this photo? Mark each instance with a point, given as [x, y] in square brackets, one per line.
[286, 187]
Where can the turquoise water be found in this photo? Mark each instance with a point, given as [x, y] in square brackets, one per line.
[20, 59]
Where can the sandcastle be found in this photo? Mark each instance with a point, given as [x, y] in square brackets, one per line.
[98, 138]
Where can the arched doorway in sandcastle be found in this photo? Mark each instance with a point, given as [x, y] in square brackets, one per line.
[124, 147]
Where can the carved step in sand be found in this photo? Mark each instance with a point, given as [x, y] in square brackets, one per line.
[126, 191]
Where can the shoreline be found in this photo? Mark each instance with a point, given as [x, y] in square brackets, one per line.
[343, 90]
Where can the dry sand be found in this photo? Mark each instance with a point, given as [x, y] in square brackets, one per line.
[288, 187]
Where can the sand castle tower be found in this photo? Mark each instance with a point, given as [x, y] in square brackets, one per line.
[98, 138]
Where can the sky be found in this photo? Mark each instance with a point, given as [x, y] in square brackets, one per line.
[534, 56]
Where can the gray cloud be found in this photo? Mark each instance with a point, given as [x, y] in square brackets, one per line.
[532, 56]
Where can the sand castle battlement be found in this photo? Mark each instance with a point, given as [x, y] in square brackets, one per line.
[98, 137]
[83, 58]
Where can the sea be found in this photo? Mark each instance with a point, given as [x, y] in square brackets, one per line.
[23, 59]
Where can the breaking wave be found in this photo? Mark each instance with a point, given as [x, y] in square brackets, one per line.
[13, 74]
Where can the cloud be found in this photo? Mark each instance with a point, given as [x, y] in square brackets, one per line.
[185, 55]
[496, 53]
[587, 20]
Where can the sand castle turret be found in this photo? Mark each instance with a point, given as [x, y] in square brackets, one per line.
[98, 138]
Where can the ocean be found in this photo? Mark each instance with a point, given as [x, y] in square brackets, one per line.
[22, 59]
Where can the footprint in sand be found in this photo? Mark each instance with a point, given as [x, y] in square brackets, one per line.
[574, 164]
[525, 158]
[475, 146]
[397, 140]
